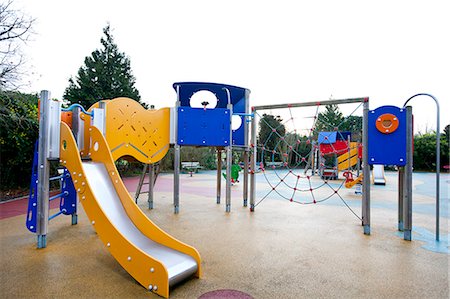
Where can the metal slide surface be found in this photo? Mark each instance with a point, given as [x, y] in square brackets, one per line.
[378, 175]
[151, 256]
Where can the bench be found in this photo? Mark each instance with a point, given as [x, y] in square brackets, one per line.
[191, 167]
[274, 164]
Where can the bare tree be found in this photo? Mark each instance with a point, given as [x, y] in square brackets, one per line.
[15, 30]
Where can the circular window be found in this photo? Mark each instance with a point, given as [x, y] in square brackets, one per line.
[203, 99]
[236, 122]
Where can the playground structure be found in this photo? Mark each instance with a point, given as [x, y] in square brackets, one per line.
[88, 142]
[222, 125]
[327, 143]
[386, 125]
[345, 153]
[88, 151]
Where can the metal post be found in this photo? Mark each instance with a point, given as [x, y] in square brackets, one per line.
[401, 175]
[219, 174]
[349, 151]
[228, 181]
[140, 183]
[366, 171]
[245, 195]
[43, 171]
[102, 105]
[76, 123]
[176, 187]
[246, 142]
[229, 157]
[438, 155]
[313, 158]
[358, 167]
[253, 163]
[151, 183]
[77, 133]
[407, 191]
[176, 166]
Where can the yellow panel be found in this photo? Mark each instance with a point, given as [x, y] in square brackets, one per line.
[353, 151]
[119, 246]
[135, 131]
[346, 165]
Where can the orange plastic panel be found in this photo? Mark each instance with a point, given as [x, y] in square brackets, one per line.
[132, 130]
[387, 123]
[66, 116]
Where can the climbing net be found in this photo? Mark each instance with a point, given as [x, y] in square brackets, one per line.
[301, 151]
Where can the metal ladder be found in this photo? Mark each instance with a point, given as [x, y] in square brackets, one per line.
[152, 170]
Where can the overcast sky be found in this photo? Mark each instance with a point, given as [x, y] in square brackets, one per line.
[283, 51]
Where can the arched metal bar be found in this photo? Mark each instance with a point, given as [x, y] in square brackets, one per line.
[438, 154]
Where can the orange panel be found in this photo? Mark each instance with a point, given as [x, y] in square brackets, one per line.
[135, 131]
[66, 116]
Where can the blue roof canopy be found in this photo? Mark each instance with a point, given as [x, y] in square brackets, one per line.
[187, 89]
[327, 137]
[331, 137]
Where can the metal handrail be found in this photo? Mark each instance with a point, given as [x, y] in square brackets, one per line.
[71, 107]
[438, 154]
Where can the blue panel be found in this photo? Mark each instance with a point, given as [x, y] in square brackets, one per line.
[343, 135]
[327, 137]
[68, 203]
[387, 149]
[203, 127]
[239, 134]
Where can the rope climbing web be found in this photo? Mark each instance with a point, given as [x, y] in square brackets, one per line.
[302, 164]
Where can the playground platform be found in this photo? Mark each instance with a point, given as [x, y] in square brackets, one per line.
[283, 250]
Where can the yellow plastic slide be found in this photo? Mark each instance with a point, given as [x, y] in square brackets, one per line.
[151, 256]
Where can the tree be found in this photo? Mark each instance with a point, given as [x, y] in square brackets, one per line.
[333, 120]
[298, 148]
[353, 124]
[424, 156]
[15, 30]
[330, 119]
[270, 132]
[106, 74]
[18, 133]
[447, 133]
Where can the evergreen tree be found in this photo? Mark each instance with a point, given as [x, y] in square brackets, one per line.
[353, 124]
[329, 119]
[106, 74]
